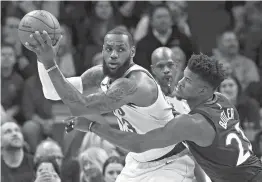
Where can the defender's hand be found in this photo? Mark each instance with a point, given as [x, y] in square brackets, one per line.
[43, 47]
[79, 123]
[70, 124]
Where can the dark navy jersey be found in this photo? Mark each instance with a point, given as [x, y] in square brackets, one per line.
[229, 158]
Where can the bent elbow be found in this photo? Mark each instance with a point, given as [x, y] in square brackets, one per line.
[50, 95]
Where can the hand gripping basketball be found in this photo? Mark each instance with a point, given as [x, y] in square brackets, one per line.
[42, 46]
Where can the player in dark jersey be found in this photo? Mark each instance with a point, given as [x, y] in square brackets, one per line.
[211, 129]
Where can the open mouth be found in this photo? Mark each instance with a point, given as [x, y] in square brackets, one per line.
[168, 80]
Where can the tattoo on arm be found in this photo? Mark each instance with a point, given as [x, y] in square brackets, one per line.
[115, 97]
[92, 78]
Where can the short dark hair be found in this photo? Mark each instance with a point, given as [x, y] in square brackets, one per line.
[209, 69]
[47, 160]
[153, 9]
[113, 159]
[122, 31]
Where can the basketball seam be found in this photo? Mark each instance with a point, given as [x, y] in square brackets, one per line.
[32, 31]
[42, 21]
[54, 26]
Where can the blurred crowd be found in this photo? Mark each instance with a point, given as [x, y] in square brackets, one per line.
[34, 146]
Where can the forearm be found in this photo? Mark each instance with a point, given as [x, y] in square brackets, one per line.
[68, 93]
[48, 87]
[127, 140]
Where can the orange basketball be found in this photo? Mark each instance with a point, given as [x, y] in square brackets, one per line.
[39, 20]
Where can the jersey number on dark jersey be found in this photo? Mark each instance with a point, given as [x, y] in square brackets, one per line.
[239, 137]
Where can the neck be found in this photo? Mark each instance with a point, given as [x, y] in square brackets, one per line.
[229, 56]
[167, 90]
[193, 103]
[13, 158]
[162, 32]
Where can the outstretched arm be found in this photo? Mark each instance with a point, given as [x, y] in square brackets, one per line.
[193, 128]
[86, 84]
[121, 91]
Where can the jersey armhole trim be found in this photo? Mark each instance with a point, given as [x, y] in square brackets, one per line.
[204, 114]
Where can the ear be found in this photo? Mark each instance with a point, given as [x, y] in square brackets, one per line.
[133, 51]
[152, 69]
[203, 90]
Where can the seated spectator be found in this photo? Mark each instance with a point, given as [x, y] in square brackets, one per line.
[143, 8]
[12, 84]
[91, 164]
[227, 67]
[228, 50]
[112, 168]
[103, 19]
[93, 140]
[16, 165]
[25, 64]
[4, 116]
[47, 169]
[37, 111]
[97, 59]
[49, 148]
[71, 168]
[161, 34]
[180, 58]
[258, 144]
[249, 32]
[180, 16]
[67, 57]
[247, 107]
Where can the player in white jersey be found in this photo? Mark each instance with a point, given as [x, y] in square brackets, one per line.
[128, 90]
[164, 68]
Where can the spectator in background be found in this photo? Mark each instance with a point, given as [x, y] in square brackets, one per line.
[93, 140]
[249, 32]
[97, 59]
[25, 64]
[228, 50]
[247, 107]
[37, 111]
[88, 140]
[47, 169]
[11, 84]
[16, 165]
[91, 164]
[143, 23]
[161, 33]
[112, 168]
[258, 144]
[180, 16]
[180, 57]
[227, 67]
[67, 57]
[103, 18]
[49, 148]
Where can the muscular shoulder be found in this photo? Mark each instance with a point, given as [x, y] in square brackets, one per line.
[145, 85]
[92, 77]
[200, 130]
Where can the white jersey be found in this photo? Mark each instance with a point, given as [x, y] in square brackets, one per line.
[132, 118]
[180, 106]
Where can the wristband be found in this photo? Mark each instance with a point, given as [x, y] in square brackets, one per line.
[52, 68]
[90, 126]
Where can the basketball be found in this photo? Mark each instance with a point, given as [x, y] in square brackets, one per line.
[38, 20]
